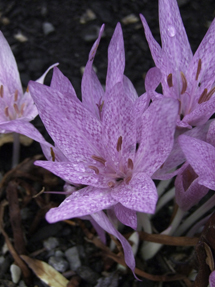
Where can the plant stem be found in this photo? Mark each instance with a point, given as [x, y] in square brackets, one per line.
[16, 150]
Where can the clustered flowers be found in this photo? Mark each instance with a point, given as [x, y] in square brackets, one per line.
[111, 145]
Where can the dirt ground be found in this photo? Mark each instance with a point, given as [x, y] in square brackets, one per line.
[41, 33]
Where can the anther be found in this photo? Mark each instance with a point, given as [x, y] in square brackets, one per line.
[27, 90]
[94, 168]
[22, 109]
[127, 180]
[16, 108]
[16, 96]
[184, 83]
[198, 69]
[52, 154]
[169, 80]
[209, 95]
[111, 184]
[1, 91]
[130, 164]
[119, 144]
[99, 159]
[203, 96]
[6, 111]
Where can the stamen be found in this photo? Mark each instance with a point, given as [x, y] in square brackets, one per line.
[27, 90]
[16, 108]
[184, 83]
[179, 108]
[16, 96]
[169, 80]
[198, 69]
[209, 95]
[119, 144]
[6, 111]
[99, 159]
[22, 109]
[1, 91]
[52, 154]
[203, 96]
[111, 184]
[127, 180]
[130, 164]
[100, 106]
[94, 168]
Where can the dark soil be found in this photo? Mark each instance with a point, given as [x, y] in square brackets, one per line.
[69, 44]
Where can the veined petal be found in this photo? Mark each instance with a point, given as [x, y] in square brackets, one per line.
[73, 128]
[139, 195]
[174, 39]
[75, 172]
[105, 223]
[63, 85]
[157, 138]
[126, 215]
[116, 59]
[201, 156]
[129, 89]
[201, 113]
[118, 121]
[188, 191]
[177, 156]
[80, 203]
[23, 127]
[91, 88]
[212, 279]
[152, 80]
[206, 54]
[9, 74]
[160, 58]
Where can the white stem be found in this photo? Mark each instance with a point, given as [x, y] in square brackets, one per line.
[143, 222]
[169, 195]
[16, 150]
[149, 249]
[197, 226]
[196, 215]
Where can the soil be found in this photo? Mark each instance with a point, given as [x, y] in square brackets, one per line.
[24, 25]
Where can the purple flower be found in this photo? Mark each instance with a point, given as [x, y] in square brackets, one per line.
[201, 156]
[185, 77]
[116, 156]
[16, 108]
[111, 143]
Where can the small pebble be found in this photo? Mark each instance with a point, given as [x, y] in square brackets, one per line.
[89, 15]
[130, 19]
[50, 243]
[20, 37]
[48, 28]
[72, 256]
[58, 263]
[15, 273]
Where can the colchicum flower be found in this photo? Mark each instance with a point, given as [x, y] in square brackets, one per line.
[185, 77]
[113, 142]
[16, 108]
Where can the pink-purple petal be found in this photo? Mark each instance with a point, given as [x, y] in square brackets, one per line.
[116, 59]
[80, 203]
[139, 195]
[125, 215]
[105, 223]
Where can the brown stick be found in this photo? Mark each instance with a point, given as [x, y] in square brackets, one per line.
[168, 240]
[15, 217]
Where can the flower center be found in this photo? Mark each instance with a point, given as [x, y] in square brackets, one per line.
[115, 176]
[12, 109]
